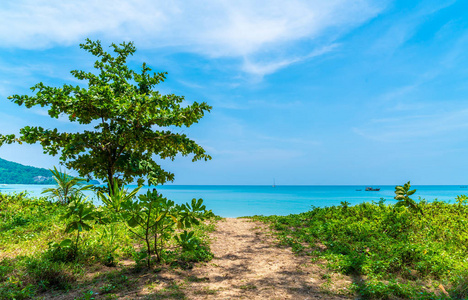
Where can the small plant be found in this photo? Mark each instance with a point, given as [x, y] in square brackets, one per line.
[62, 251]
[140, 258]
[79, 215]
[402, 196]
[111, 216]
[187, 241]
[89, 295]
[67, 186]
[153, 219]
[345, 204]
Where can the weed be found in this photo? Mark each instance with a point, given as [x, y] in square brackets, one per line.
[49, 275]
[248, 287]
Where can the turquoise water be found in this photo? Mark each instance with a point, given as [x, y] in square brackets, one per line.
[236, 201]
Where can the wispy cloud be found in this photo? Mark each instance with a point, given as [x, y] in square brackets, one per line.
[394, 96]
[404, 128]
[244, 29]
[262, 68]
[405, 27]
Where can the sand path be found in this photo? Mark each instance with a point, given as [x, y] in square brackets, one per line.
[248, 264]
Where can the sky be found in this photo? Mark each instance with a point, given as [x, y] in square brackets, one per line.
[303, 92]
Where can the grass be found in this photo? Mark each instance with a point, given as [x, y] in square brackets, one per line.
[391, 252]
[30, 267]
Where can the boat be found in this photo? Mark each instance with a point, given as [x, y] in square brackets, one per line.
[274, 185]
[372, 189]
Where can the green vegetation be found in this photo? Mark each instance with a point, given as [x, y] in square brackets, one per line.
[14, 173]
[47, 246]
[132, 122]
[407, 250]
[67, 187]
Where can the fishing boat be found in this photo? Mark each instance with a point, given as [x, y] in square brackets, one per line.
[372, 189]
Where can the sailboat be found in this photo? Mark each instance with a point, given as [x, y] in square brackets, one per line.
[274, 185]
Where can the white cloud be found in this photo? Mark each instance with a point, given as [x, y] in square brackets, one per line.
[263, 68]
[245, 29]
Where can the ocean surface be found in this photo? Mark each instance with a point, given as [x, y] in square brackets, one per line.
[236, 201]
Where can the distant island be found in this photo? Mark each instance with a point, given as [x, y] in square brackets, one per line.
[14, 173]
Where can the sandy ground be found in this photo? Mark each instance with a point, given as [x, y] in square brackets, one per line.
[248, 264]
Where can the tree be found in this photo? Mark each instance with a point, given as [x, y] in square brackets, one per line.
[130, 120]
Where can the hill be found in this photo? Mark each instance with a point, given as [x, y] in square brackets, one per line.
[14, 173]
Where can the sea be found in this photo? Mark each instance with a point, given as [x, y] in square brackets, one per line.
[249, 200]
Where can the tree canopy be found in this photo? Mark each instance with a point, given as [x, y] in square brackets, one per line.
[131, 121]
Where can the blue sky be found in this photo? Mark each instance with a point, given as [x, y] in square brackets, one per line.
[306, 92]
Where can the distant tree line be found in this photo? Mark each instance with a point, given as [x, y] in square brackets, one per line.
[14, 173]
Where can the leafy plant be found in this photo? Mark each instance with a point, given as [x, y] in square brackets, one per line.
[112, 216]
[67, 186]
[153, 219]
[187, 240]
[116, 199]
[79, 216]
[124, 109]
[345, 204]
[402, 196]
[62, 251]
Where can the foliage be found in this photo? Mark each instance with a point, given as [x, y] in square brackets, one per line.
[79, 216]
[61, 252]
[187, 240]
[397, 253]
[44, 257]
[153, 218]
[124, 109]
[9, 139]
[461, 200]
[110, 217]
[48, 275]
[193, 249]
[402, 196]
[67, 187]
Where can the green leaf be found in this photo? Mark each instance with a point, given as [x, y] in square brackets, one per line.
[133, 222]
[66, 243]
